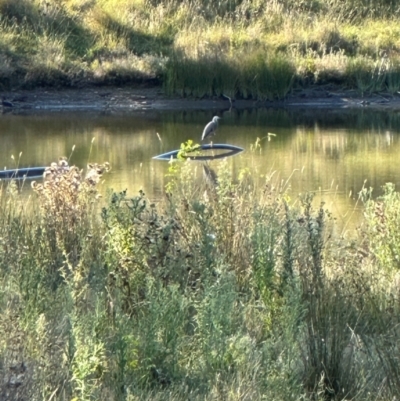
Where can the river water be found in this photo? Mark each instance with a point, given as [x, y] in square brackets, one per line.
[331, 152]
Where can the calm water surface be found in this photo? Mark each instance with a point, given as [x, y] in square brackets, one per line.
[331, 152]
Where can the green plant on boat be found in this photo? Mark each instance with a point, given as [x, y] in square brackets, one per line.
[176, 166]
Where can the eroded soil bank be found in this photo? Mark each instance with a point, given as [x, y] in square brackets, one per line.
[129, 99]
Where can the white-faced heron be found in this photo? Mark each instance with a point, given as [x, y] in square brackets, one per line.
[211, 128]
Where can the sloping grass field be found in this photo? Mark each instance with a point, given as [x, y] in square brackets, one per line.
[249, 49]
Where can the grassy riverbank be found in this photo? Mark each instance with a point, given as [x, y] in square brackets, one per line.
[242, 48]
[228, 292]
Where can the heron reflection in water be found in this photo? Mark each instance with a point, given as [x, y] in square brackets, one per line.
[210, 176]
[211, 128]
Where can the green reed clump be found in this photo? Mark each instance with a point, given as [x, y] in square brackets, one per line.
[265, 77]
[372, 76]
[256, 76]
[206, 76]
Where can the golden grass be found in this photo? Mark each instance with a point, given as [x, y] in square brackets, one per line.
[53, 43]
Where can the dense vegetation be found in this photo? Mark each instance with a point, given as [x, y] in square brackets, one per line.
[223, 291]
[243, 48]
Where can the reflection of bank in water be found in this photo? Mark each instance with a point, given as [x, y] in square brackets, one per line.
[216, 151]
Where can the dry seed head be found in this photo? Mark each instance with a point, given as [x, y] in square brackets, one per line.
[63, 163]
[63, 186]
[47, 173]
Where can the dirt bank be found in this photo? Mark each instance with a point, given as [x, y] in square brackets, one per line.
[128, 99]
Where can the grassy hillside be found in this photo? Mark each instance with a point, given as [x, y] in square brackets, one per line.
[227, 292]
[259, 49]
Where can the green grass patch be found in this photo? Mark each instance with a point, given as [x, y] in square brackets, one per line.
[256, 76]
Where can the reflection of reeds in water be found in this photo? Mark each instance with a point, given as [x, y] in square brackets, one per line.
[301, 165]
[320, 156]
[346, 157]
[338, 155]
[337, 143]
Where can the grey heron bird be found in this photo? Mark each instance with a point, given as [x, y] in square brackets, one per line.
[211, 128]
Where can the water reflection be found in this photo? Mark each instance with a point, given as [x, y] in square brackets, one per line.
[331, 152]
[210, 176]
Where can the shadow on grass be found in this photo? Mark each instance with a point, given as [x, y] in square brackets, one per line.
[51, 20]
[138, 42]
[28, 23]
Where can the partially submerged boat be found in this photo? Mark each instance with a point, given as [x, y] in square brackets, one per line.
[21, 173]
[213, 151]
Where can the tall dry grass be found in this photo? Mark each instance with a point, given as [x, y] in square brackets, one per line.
[224, 290]
[256, 49]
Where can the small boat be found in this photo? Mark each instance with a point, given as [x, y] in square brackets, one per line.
[231, 150]
[21, 173]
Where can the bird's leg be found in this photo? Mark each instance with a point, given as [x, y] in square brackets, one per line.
[211, 143]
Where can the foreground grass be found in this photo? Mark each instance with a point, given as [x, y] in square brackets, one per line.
[242, 48]
[222, 291]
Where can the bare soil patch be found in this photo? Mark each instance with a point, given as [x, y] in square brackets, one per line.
[139, 99]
